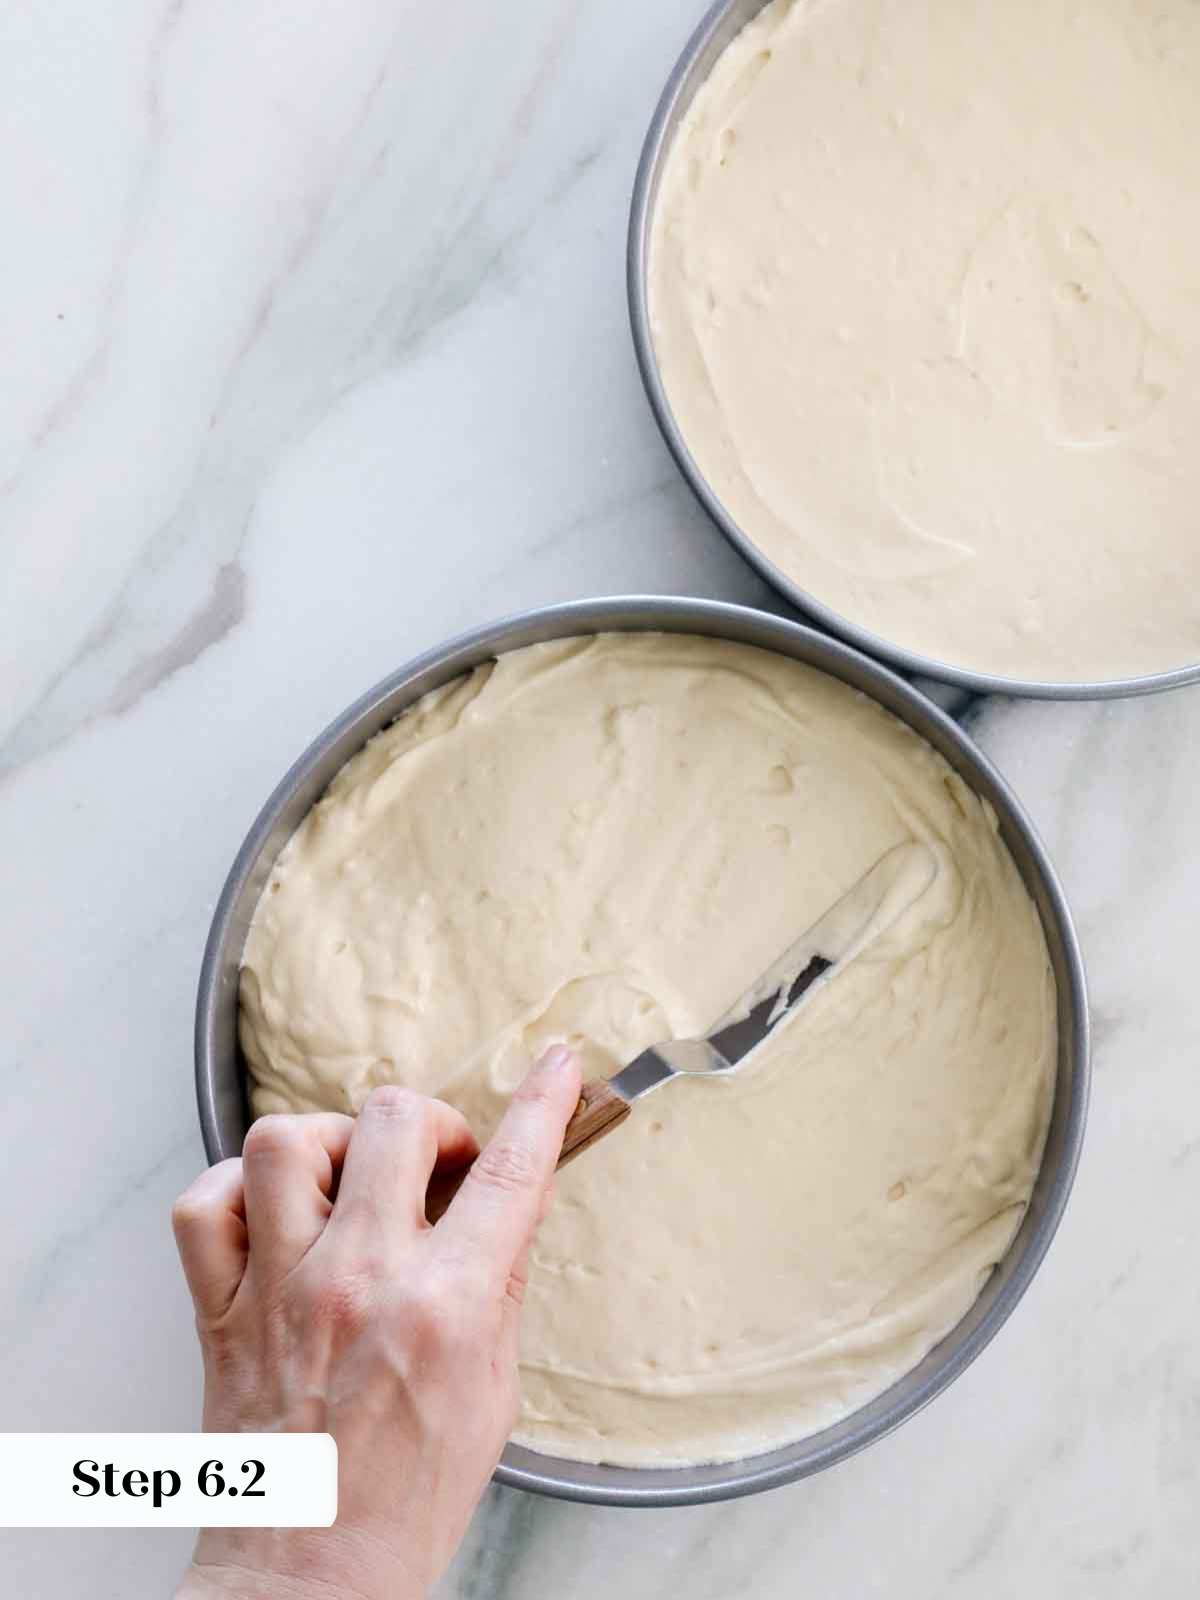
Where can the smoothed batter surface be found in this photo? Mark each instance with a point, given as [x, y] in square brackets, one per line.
[608, 840]
[925, 294]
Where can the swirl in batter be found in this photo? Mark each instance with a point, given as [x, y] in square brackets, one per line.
[607, 840]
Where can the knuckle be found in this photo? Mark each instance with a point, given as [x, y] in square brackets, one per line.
[536, 1089]
[507, 1165]
[189, 1213]
[203, 1201]
[433, 1316]
[276, 1134]
[340, 1302]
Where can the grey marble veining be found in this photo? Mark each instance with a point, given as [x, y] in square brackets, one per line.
[316, 349]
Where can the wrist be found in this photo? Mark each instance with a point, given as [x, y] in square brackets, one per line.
[231, 1581]
[292, 1564]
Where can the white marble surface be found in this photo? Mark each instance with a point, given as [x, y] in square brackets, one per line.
[316, 351]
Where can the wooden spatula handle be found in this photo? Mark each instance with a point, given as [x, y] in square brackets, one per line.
[599, 1111]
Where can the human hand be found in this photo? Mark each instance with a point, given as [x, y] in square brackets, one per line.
[326, 1303]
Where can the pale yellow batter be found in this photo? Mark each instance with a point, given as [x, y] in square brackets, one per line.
[608, 840]
[925, 293]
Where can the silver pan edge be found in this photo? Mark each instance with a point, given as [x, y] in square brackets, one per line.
[719, 27]
[220, 1073]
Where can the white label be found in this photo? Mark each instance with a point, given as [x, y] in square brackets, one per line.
[168, 1480]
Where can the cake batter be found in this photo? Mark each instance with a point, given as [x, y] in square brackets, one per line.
[606, 840]
[923, 291]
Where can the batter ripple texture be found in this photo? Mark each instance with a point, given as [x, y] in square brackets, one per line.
[607, 840]
[924, 286]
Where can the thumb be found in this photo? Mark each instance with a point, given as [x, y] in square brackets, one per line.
[493, 1216]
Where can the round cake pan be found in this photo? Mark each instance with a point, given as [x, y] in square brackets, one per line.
[220, 1077]
[719, 28]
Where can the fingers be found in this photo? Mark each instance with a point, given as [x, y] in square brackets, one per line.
[210, 1233]
[496, 1211]
[399, 1138]
[289, 1166]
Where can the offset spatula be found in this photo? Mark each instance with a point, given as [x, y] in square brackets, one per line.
[859, 918]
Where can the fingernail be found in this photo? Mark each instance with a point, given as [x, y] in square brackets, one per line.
[556, 1058]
